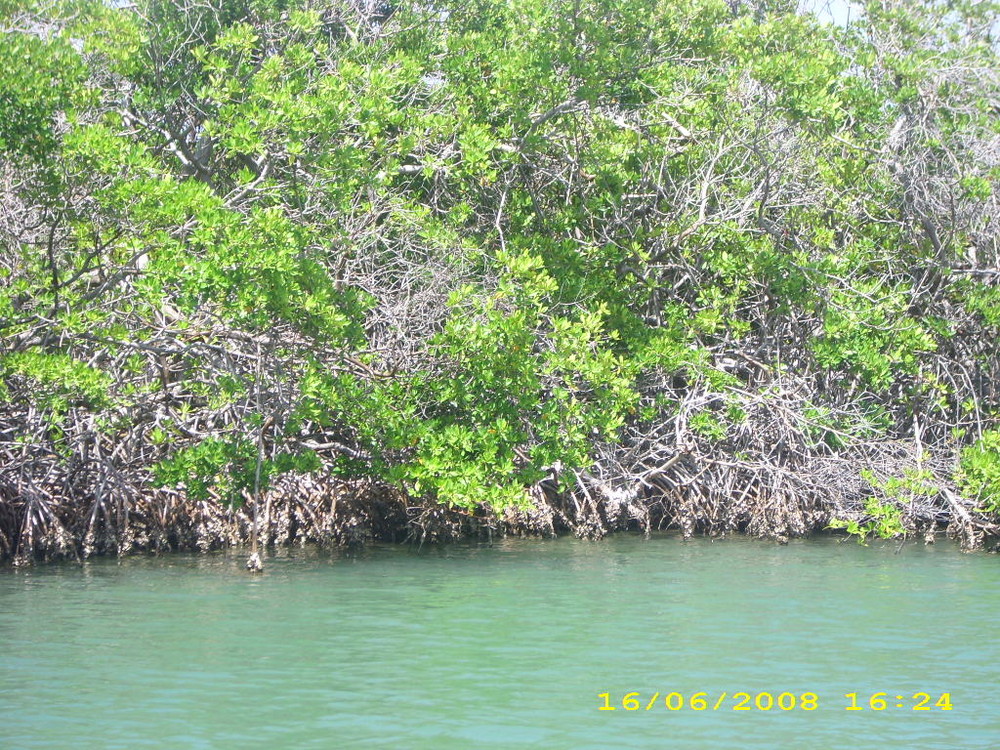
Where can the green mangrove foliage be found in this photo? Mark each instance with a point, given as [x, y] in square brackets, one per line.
[561, 265]
[979, 471]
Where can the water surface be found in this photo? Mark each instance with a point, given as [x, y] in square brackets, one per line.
[503, 647]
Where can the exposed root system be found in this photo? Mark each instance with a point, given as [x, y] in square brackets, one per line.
[68, 509]
[777, 473]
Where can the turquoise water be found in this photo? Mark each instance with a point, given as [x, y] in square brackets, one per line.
[504, 647]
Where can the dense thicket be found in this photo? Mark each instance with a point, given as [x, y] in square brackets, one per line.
[536, 265]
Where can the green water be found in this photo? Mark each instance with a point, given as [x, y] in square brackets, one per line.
[503, 647]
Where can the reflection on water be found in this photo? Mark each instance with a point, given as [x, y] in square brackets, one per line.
[500, 647]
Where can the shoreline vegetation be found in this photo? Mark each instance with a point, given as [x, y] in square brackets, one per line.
[345, 270]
